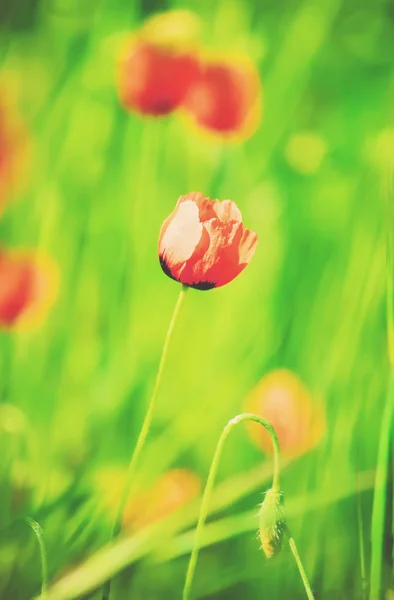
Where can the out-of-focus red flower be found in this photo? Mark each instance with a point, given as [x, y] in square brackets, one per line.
[203, 243]
[13, 147]
[155, 80]
[226, 98]
[172, 490]
[160, 64]
[283, 400]
[28, 285]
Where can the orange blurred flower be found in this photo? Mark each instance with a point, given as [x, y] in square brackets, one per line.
[172, 490]
[226, 98]
[160, 64]
[282, 399]
[28, 286]
[203, 243]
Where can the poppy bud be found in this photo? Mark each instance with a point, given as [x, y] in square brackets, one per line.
[225, 99]
[160, 64]
[27, 287]
[271, 523]
[203, 244]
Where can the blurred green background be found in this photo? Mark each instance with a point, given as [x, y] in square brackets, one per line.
[312, 182]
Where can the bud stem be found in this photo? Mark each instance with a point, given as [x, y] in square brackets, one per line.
[36, 527]
[144, 431]
[301, 569]
[210, 483]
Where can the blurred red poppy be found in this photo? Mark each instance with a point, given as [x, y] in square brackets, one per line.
[28, 284]
[160, 64]
[13, 148]
[155, 80]
[282, 399]
[226, 98]
[203, 244]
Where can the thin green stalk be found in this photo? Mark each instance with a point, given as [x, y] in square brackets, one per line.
[43, 555]
[380, 492]
[390, 316]
[364, 583]
[219, 172]
[360, 523]
[301, 569]
[144, 189]
[211, 481]
[389, 269]
[144, 430]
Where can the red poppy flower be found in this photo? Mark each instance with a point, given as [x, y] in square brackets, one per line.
[282, 399]
[160, 64]
[27, 285]
[5, 157]
[203, 243]
[155, 80]
[225, 99]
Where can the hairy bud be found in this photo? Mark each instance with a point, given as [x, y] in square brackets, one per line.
[271, 523]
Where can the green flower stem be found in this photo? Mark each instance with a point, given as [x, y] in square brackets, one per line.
[43, 555]
[380, 493]
[210, 483]
[301, 569]
[144, 430]
[360, 522]
[389, 310]
[364, 583]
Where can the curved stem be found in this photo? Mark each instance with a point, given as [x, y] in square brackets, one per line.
[144, 431]
[301, 569]
[36, 527]
[210, 483]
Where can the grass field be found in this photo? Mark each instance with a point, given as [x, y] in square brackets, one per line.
[314, 182]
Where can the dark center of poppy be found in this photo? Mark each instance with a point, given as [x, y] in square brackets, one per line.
[202, 285]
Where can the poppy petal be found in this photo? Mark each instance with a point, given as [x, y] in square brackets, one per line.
[181, 237]
[247, 246]
[164, 228]
[220, 263]
[227, 211]
[206, 206]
